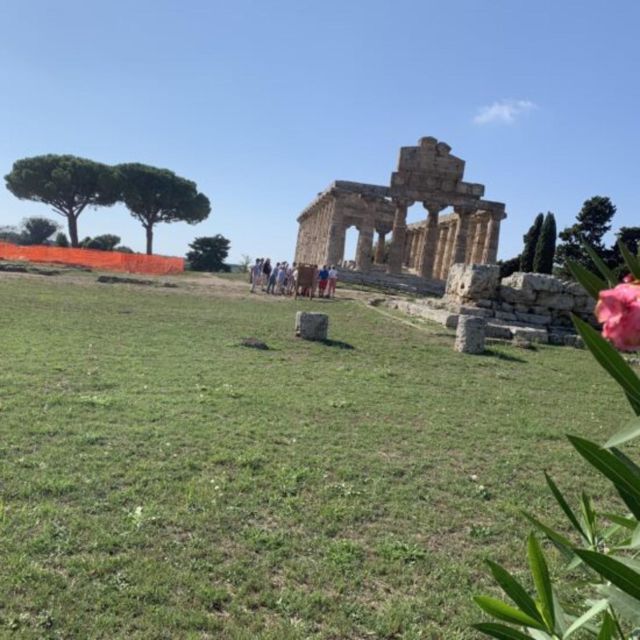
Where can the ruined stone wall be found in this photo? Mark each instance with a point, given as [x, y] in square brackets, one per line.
[522, 299]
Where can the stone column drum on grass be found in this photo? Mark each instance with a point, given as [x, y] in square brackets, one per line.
[311, 325]
[470, 334]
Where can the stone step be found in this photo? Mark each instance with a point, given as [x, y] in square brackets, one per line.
[405, 282]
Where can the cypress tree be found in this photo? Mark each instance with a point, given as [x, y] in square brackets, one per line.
[546, 247]
[530, 240]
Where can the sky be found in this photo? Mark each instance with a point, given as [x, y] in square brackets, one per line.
[264, 103]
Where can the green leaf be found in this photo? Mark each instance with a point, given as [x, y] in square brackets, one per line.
[599, 606]
[500, 631]
[562, 620]
[536, 634]
[563, 544]
[632, 262]
[505, 612]
[609, 465]
[606, 273]
[540, 573]
[564, 505]
[631, 431]
[515, 591]
[591, 283]
[624, 605]
[614, 571]
[612, 361]
[627, 523]
[589, 517]
[608, 628]
[633, 502]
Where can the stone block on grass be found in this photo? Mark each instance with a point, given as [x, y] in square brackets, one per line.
[312, 325]
[470, 334]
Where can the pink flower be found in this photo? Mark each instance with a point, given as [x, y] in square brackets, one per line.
[619, 311]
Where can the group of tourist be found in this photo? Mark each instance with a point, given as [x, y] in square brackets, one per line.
[286, 279]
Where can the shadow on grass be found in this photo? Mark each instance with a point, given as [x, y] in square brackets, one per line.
[503, 356]
[336, 343]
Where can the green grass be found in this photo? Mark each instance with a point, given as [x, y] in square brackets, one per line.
[159, 481]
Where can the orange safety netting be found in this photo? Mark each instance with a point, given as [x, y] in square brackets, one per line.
[106, 260]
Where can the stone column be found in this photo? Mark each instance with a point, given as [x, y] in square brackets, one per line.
[379, 259]
[460, 242]
[406, 252]
[449, 251]
[300, 242]
[396, 249]
[415, 248]
[490, 252]
[478, 247]
[365, 244]
[442, 249]
[430, 239]
[471, 236]
[335, 250]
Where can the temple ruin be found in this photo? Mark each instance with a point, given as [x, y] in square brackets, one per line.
[428, 174]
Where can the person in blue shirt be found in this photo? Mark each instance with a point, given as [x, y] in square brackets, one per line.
[323, 280]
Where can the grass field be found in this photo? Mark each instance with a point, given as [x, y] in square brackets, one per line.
[159, 481]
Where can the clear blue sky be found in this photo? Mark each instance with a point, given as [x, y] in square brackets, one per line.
[263, 103]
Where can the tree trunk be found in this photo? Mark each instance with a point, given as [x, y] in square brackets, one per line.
[73, 230]
[149, 230]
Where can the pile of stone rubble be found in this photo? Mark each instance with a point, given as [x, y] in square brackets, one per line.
[529, 307]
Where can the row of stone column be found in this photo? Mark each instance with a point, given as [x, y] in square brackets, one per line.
[311, 250]
[468, 238]
[315, 233]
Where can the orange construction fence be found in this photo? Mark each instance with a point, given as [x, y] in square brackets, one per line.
[104, 260]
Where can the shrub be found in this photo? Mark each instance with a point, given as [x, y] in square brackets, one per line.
[546, 247]
[209, 253]
[530, 240]
[61, 240]
[106, 242]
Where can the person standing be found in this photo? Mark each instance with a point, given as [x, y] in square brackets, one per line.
[281, 279]
[271, 284]
[256, 274]
[266, 272]
[323, 280]
[333, 279]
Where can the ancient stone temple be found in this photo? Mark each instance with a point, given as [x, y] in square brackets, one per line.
[428, 174]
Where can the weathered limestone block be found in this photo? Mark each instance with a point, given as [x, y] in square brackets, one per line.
[506, 316]
[584, 304]
[473, 281]
[574, 341]
[555, 300]
[521, 298]
[575, 289]
[475, 311]
[484, 304]
[312, 326]
[534, 318]
[532, 335]
[524, 288]
[470, 334]
[499, 331]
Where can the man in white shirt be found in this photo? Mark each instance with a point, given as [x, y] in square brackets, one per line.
[333, 278]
